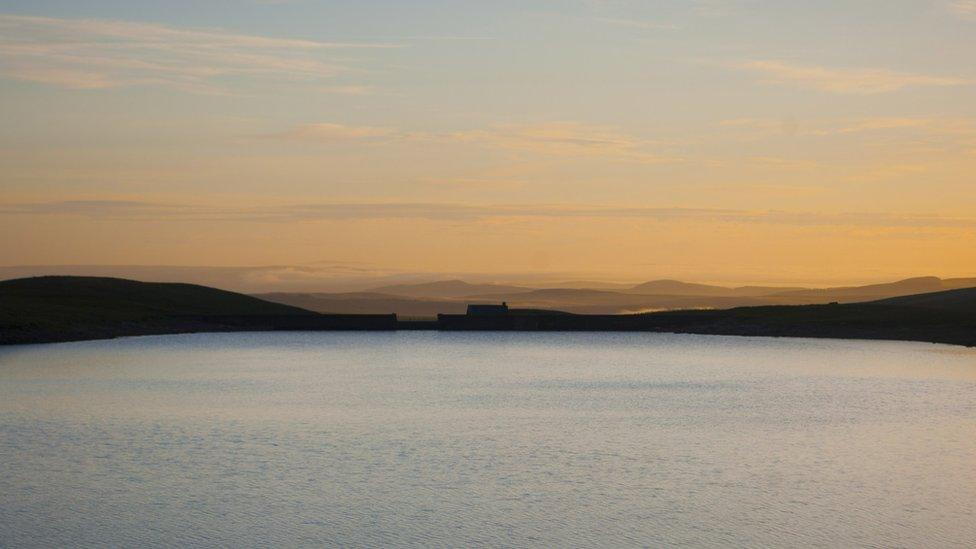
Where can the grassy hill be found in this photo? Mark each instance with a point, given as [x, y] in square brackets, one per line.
[846, 321]
[959, 301]
[940, 317]
[64, 308]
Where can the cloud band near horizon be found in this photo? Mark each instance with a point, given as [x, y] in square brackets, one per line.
[137, 210]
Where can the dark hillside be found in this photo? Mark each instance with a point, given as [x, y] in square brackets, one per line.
[49, 309]
[961, 301]
[842, 321]
[845, 321]
[64, 308]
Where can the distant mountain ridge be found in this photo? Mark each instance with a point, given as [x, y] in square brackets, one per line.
[908, 286]
[448, 296]
[446, 289]
[677, 287]
[366, 303]
[667, 287]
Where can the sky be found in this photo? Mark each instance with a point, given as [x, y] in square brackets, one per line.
[714, 141]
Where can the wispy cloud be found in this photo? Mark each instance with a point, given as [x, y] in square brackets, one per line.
[94, 53]
[875, 124]
[711, 8]
[763, 126]
[964, 8]
[100, 208]
[348, 90]
[111, 209]
[446, 38]
[326, 131]
[635, 23]
[844, 81]
[552, 138]
[565, 139]
[945, 126]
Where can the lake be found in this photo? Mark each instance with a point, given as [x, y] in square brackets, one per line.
[497, 439]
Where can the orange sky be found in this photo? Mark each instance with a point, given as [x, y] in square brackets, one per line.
[713, 141]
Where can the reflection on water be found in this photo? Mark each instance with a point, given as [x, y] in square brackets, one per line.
[498, 439]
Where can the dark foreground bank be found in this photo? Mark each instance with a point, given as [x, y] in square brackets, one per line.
[52, 309]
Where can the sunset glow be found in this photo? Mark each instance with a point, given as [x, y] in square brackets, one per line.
[737, 142]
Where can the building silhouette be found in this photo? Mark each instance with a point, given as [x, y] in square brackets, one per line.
[488, 310]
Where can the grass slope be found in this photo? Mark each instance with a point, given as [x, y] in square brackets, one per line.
[943, 317]
[962, 301]
[65, 308]
[939, 317]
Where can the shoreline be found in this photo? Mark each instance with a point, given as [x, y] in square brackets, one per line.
[716, 325]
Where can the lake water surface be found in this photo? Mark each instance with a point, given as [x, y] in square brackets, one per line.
[500, 439]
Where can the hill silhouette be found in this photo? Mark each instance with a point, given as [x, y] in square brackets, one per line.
[943, 317]
[679, 288]
[122, 298]
[958, 283]
[872, 320]
[585, 301]
[908, 286]
[47, 309]
[959, 301]
[446, 289]
[66, 308]
[450, 296]
[366, 303]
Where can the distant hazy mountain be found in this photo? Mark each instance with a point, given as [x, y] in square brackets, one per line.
[955, 283]
[845, 293]
[873, 291]
[446, 289]
[453, 296]
[366, 303]
[609, 302]
[676, 287]
[585, 284]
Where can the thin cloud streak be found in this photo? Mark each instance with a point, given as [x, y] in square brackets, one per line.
[565, 139]
[135, 210]
[635, 23]
[945, 126]
[570, 139]
[327, 131]
[867, 81]
[348, 90]
[99, 54]
[965, 9]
